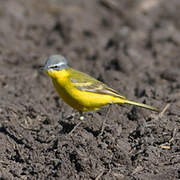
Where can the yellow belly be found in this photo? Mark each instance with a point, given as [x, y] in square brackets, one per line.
[82, 100]
[79, 100]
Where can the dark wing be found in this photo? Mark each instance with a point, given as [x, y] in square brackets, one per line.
[85, 82]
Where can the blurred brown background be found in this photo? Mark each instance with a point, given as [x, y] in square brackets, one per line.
[133, 46]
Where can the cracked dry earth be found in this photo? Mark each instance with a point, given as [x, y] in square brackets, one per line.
[133, 46]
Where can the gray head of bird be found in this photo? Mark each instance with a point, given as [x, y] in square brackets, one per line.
[55, 62]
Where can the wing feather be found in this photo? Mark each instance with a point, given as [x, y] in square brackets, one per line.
[87, 83]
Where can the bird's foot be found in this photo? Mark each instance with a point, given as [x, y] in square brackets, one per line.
[75, 127]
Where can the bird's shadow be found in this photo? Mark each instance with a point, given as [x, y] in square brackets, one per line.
[95, 133]
[68, 127]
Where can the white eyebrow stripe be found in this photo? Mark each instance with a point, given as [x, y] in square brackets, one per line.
[59, 64]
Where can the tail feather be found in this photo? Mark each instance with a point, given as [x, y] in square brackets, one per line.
[142, 105]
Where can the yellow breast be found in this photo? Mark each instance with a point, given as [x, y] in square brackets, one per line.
[80, 100]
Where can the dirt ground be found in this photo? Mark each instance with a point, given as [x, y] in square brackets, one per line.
[133, 46]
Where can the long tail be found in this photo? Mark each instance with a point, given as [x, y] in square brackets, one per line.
[142, 105]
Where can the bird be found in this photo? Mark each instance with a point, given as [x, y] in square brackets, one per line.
[81, 91]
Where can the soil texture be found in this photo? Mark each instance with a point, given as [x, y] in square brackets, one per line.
[133, 46]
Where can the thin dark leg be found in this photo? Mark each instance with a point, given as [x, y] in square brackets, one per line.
[104, 122]
[77, 125]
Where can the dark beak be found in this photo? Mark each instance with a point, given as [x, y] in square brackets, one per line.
[41, 68]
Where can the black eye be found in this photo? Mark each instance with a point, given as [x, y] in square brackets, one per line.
[55, 66]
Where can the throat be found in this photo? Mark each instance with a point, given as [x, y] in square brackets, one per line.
[58, 74]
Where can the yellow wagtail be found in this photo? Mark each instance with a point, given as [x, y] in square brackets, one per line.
[81, 91]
